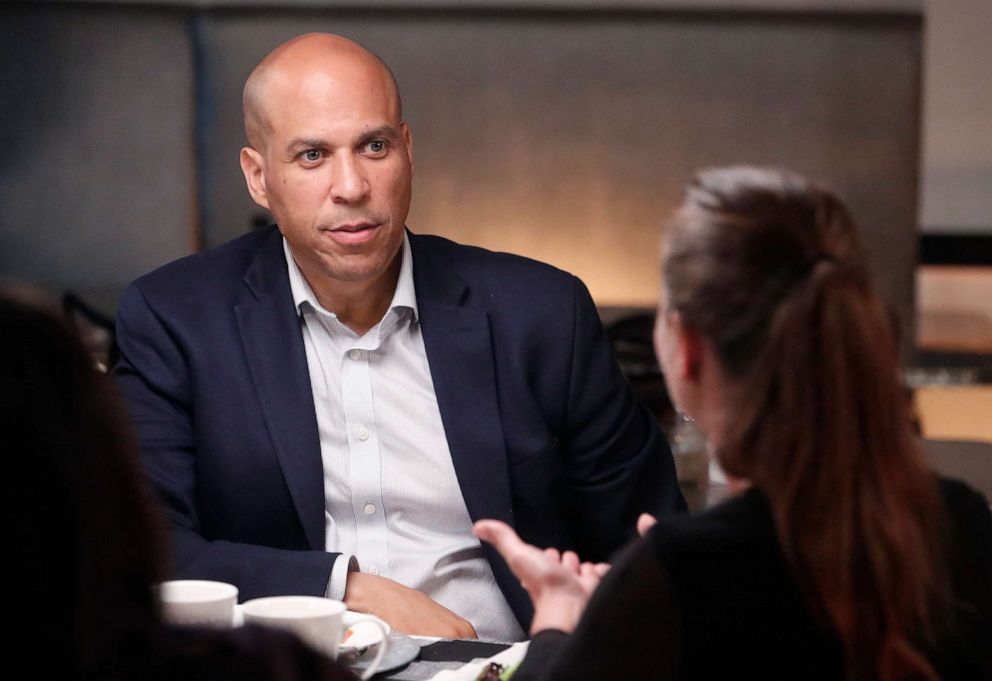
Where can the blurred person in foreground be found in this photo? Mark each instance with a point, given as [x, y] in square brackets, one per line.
[88, 535]
[845, 557]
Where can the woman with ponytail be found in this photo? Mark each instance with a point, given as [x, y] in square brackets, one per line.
[845, 557]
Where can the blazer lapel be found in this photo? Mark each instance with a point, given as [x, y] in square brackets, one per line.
[460, 354]
[272, 340]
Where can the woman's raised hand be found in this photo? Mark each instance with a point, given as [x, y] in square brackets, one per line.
[559, 584]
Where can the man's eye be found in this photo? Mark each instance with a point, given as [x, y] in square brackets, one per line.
[311, 155]
[376, 146]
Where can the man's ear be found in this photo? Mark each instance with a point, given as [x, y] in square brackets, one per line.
[253, 166]
[408, 139]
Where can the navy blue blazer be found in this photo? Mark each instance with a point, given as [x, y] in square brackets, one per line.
[544, 431]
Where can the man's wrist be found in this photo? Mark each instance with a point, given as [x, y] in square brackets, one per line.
[337, 584]
[360, 594]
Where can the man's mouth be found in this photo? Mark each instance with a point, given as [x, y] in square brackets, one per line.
[354, 233]
[355, 227]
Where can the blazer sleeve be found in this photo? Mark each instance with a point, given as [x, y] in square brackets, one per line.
[154, 377]
[618, 463]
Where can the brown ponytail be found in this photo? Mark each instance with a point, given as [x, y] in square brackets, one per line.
[771, 271]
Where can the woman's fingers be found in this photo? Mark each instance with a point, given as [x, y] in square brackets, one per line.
[534, 566]
[527, 562]
[570, 561]
[500, 535]
[645, 522]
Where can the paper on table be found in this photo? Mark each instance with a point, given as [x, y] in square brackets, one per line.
[509, 657]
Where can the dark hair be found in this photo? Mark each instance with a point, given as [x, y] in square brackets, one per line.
[770, 270]
[86, 524]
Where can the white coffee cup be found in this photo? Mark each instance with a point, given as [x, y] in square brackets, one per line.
[317, 621]
[199, 603]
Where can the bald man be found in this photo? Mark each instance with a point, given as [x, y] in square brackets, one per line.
[326, 405]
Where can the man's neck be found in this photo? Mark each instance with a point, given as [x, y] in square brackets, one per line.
[359, 305]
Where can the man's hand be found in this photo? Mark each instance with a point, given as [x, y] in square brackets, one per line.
[404, 609]
[559, 585]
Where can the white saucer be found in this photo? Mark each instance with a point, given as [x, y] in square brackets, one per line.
[363, 634]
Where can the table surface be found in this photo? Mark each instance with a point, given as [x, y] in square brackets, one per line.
[956, 412]
[421, 669]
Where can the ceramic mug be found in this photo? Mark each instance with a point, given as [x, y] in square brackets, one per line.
[198, 603]
[317, 621]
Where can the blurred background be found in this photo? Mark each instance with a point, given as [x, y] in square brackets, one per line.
[562, 129]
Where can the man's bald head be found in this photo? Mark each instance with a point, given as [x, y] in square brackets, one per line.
[300, 57]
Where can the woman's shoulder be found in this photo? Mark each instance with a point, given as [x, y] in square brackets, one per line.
[968, 524]
[738, 535]
[966, 534]
[964, 501]
[743, 521]
[968, 528]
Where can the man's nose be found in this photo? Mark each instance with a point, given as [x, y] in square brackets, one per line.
[348, 183]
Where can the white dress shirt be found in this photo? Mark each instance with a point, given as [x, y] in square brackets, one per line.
[392, 499]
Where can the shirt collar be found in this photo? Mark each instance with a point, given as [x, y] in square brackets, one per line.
[404, 297]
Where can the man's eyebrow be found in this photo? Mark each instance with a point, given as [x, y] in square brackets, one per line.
[390, 132]
[306, 143]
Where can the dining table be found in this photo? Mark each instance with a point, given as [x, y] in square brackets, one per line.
[441, 659]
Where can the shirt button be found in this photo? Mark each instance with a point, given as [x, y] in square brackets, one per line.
[355, 354]
[363, 434]
[369, 509]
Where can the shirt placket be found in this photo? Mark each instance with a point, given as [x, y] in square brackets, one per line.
[364, 452]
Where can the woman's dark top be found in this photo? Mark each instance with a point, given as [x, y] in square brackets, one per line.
[711, 597]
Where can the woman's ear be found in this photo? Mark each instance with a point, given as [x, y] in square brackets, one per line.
[688, 349]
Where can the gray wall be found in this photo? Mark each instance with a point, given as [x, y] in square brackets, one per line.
[563, 135]
[568, 138]
[96, 120]
[957, 118]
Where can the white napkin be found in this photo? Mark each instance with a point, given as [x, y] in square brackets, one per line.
[509, 657]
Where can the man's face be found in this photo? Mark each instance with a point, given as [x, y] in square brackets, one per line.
[335, 170]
